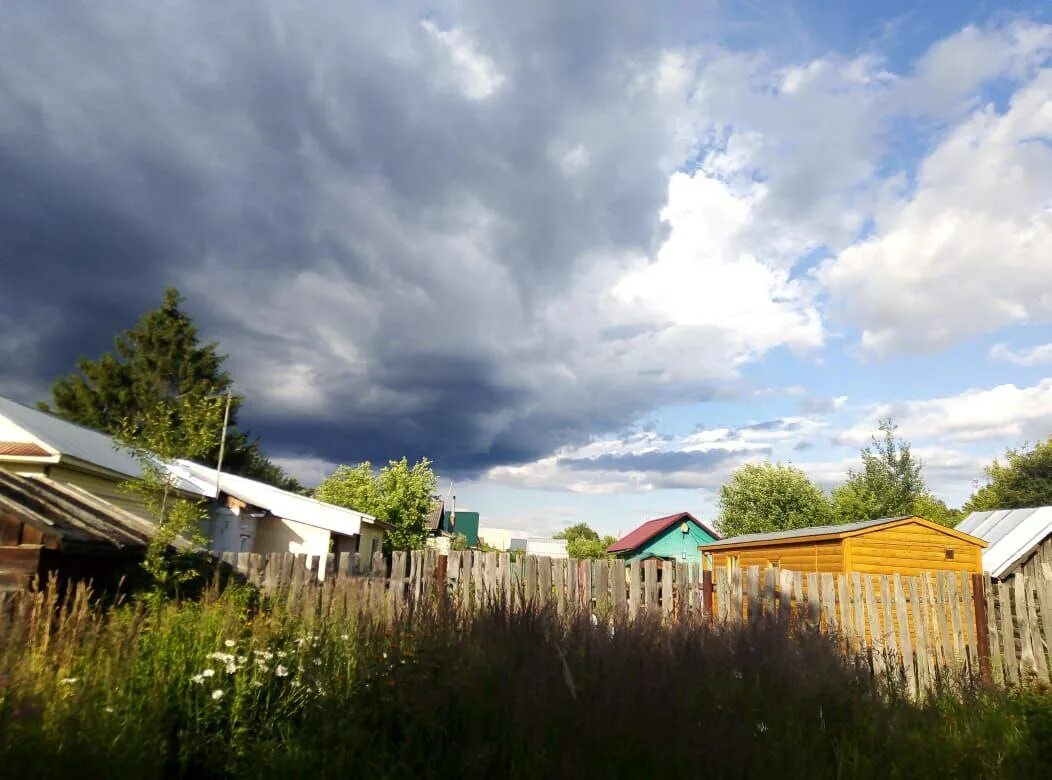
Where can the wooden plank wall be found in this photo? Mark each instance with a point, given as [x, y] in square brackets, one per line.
[919, 629]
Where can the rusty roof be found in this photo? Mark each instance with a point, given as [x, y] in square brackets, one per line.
[23, 449]
[652, 528]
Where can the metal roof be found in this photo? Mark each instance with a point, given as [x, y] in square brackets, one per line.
[815, 530]
[280, 503]
[652, 528]
[1011, 533]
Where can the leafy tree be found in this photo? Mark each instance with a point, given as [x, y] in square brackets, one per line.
[168, 429]
[583, 542]
[158, 359]
[769, 497]
[398, 494]
[889, 484]
[1023, 480]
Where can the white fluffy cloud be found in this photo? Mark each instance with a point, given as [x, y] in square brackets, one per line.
[1038, 355]
[968, 250]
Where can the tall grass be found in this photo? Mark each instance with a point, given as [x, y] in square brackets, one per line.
[238, 685]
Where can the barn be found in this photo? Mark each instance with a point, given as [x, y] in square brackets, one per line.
[47, 527]
[889, 545]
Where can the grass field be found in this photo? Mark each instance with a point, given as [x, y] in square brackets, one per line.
[233, 685]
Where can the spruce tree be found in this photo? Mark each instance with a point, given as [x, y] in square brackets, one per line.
[158, 360]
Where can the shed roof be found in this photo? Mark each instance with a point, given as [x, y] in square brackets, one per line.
[72, 515]
[280, 503]
[652, 528]
[1012, 534]
[832, 532]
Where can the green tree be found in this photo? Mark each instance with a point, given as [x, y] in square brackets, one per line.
[171, 428]
[583, 542]
[1023, 480]
[767, 497]
[889, 484]
[158, 359]
[398, 494]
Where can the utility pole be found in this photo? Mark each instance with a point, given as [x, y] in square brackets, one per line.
[222, 441]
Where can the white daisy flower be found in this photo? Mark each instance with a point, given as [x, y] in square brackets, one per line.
[281, 671]
[230, 643]
[208, 673]
[217, 694]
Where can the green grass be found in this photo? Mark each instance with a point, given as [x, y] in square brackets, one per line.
[122, 692]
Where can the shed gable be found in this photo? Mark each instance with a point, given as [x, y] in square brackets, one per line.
[909, 548]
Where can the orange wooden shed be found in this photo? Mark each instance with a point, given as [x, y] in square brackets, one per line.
[890, 545]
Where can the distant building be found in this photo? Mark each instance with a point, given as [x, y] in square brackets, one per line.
[673, 538]
[443, 524]
[503, 539]
[546, 547]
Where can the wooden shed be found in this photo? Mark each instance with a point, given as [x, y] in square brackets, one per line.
[903, 545]
[47, 527]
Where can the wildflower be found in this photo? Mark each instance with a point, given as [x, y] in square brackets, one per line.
[262, 666]
[68, 680]
[241, 659]
[222, 657]
[257, 684]
[296, 683]
[761, 728]
[208, 673]
[217, 694]
[230, 643]
[281, 654]
[231, 667]
[317, 662]
[385, 656]
[108, 709]
[198, 678]
[281, 671]
[344, 637]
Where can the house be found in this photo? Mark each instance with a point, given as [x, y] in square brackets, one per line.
[35, 443]
[48, 527]
[444, 524]
[1015, 537]
[673, 538]
[503, 539]
[890, 545]
[244, 515]
[546, 547]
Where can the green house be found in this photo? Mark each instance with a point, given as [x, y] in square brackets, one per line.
[672, 538]
[466, 523]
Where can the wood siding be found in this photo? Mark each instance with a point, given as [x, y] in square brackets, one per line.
[104, 487]
[802, 555]
[911, 549]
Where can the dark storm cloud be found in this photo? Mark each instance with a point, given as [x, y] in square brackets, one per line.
[376, 248]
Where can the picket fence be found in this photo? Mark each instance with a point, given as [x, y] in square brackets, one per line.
[921, 628]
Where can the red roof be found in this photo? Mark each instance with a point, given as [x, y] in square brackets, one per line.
[22, 449]
[652, 528]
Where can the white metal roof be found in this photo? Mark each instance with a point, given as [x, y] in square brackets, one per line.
[280, 503]
[1011, 533]
[67, 440]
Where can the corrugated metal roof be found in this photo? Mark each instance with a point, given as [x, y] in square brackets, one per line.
[652, 528]
[70, 514]
[280, 503]
[1011, 533]
[815, 530]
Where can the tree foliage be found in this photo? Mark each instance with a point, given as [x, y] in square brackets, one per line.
[1023, 480]
[769, 497]
[167, 429]
[398, 494]
[889, 484]
[582, 542]
[159, 359]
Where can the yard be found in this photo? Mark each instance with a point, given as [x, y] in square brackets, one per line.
[235, 684]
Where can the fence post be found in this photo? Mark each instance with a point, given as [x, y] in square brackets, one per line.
[982, 634]
[706, 594]
[440, 578]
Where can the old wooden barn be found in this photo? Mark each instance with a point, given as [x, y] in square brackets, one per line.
[903, 545]
[47, 527]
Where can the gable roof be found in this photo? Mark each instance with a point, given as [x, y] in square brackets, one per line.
[280, 503]
[1012, 534]
[72, 515]
[652, 528]
[842, 531]
[45, 435]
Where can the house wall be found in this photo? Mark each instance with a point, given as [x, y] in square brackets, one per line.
[674, 544]
[106, 488]
[911, 549]
[276, 534]
[228, 526]
[825, 556]
[371, 539]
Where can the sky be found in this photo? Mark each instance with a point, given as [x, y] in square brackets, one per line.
[587, 257]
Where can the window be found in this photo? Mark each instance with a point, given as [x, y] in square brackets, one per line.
[773, 563]
[949, 553]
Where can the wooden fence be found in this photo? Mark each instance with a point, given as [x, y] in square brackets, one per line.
[919, 627]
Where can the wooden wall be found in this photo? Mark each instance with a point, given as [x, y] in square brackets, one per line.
[911, 549]
[802, 555]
